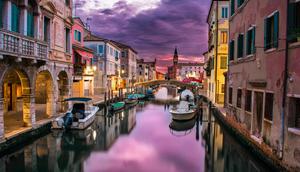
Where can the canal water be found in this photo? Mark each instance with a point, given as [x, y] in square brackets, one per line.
[143, 138]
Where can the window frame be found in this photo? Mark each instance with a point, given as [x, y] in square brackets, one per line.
[240, 50]
[268, 34]
[250, 46]
[239, 98]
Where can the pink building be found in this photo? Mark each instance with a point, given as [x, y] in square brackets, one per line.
[258, 81]
[83, 77]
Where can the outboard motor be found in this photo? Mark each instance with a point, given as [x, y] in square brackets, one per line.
[68, 119]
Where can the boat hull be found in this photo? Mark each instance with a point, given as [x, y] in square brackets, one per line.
[80, 125]
[131, 101]
[183, 115]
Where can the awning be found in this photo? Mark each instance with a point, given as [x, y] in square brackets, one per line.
[84, 54]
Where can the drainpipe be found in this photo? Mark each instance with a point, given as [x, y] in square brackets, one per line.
[286, 76]
[216, 61]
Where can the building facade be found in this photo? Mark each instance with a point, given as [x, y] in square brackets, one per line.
[217, 55]
[83, 75]
[145, 71]
[190, 70]
[263, 77]
[107, 56]
[128, 65]
[35, 59]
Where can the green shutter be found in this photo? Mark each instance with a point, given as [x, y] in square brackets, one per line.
[231, 50]
[253, 40]
[232, 7]
[1, 11]
[276, 29]
[15, 18]
[240, 46]
[248, 43]
[30, 24]
[266, 34]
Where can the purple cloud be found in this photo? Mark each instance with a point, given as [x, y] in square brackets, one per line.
[154, 32]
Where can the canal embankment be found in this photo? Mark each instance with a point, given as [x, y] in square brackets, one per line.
[260, 150]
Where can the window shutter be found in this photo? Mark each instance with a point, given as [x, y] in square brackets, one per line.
[232, 7]
[276, 29]
[30, 24]
[248, 43]
[253, 40]
[240, 46]
[266, 34]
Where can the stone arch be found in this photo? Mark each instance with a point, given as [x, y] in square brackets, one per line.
[44, 94]
[17, 103]
[63, 86]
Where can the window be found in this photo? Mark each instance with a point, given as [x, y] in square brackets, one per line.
[232, 7]
[294, 21]
[68, 41]
[46, 29]
[239, 98]
[223, 37]
[240, 2]
[294, 113]
[269, 100]
[241, 46]
[100, 49]
[230, 95]
[224, 12]
[223, 88]
[271, 31]
[248, 103]
[30, 24]
[15, 15]
[223, 62]
[77, 35]
[251, 41]
[231, 50]
[67, 2]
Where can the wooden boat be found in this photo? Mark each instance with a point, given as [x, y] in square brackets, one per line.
[117, 106]
[80, 116]
[184, 111]
[131, 101]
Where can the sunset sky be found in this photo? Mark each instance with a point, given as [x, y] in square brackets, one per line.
[153, 27]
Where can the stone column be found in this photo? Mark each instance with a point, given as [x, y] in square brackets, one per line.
[29, 110]
[1, 120]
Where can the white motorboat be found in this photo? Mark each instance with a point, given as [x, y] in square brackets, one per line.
[80, 116]
[183, 111]
[187, 95]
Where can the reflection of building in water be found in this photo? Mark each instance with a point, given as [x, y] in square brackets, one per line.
[223, 152]
[67, 151]
[128, 120]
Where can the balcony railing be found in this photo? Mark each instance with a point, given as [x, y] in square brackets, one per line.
[22, 46]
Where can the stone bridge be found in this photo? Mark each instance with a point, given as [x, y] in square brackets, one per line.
[164, 82]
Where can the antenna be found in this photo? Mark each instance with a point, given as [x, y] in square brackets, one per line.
[76, 5]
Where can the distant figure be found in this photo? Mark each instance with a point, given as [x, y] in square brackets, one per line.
[188, 98]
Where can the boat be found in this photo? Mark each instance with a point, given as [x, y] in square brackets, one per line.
[80, 116]
[138, 96]
[183, 111]
[131, 99]
[187, 95]
[117, 106]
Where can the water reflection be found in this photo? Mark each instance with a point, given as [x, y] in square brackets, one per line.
[138, 139]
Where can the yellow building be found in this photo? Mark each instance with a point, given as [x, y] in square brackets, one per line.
[217, 55]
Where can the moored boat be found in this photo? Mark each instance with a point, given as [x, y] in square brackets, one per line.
[183, 111]
[80, 116]
[117, 106]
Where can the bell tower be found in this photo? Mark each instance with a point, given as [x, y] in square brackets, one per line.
[175, 57]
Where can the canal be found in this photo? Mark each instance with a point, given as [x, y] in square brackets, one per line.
[143, 138]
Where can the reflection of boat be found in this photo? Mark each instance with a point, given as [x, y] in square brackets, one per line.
[182, 125]
[117, 106]
[131, 99]
[183, 111]
[80, 116]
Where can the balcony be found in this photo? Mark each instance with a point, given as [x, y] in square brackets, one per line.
[18, 45]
